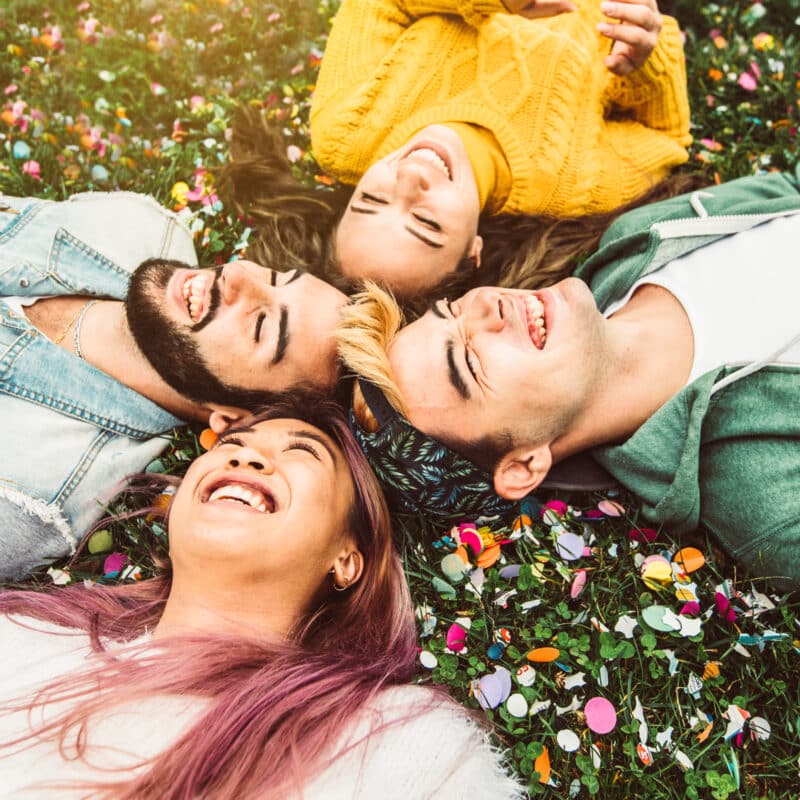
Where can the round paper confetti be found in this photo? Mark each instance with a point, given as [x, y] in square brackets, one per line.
[654, 616]
[689, 559]
[569, 546]
[656, 572]
[542, 655]
[642, 535]
[471, 539]
[510, 571]
[453, 567]
[568, 740]
[578, 582]
[517, 705]
[526, 675]
[100, 541]
[601, 716]
[428, 659]
[495, 651]
[492, 690]
[489, 556]
[610, 508]
[207, 439]
[760, 729]
[456, 638]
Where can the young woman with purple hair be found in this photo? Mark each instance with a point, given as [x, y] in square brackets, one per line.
[266, 661]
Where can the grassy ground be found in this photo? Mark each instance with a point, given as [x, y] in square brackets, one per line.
[138, 95]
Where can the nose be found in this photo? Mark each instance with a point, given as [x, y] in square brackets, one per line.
[239, 282]
[412, 179]
[486, 312]
[251, 460]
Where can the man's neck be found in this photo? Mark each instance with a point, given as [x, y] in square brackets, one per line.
[105, 341]
[651, 350]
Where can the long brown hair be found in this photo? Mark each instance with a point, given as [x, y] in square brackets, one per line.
[295, 224]
[268, 702]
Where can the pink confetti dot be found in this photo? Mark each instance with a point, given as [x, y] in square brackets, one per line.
[601, 716]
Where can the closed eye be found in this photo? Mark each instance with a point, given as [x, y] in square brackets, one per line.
[259, 324]
[234, 440]
[371, 198]
[468, 357]
[299, 444]
[428, 223]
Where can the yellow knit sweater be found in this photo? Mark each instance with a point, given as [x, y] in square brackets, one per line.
[577, 139]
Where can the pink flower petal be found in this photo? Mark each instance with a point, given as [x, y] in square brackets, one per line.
[747, 82]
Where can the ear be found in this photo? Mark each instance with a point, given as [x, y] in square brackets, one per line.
[519, 472]
[348, 566]
[476, 249]
[222, 417]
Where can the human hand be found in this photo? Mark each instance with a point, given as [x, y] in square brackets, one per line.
[634, 36]
[538, 8]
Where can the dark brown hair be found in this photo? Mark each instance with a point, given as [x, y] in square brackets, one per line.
[295, 224]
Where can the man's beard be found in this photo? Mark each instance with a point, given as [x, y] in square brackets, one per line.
[171, 351]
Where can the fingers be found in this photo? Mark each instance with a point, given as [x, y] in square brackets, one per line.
[635, 35]
[620, 64]
[643, 15]
[637, 38]
[534, 9]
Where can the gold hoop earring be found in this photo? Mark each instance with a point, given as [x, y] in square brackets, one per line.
[341, 588]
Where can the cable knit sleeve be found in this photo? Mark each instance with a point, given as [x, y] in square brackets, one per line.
[656, 93]
[375, 61]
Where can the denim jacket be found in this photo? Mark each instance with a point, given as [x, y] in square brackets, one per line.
[71, 432]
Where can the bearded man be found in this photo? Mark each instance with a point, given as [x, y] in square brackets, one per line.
[101, 360]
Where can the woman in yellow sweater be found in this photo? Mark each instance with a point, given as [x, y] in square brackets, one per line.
[441, 111]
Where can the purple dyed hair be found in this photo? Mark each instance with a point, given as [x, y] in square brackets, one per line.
[269, 702]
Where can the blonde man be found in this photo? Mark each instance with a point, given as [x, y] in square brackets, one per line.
[675, 387]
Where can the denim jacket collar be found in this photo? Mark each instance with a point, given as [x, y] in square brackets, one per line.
[41, 372]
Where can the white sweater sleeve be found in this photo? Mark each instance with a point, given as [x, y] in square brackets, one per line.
[421, 747]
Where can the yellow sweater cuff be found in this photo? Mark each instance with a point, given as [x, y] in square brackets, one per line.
[491, 170]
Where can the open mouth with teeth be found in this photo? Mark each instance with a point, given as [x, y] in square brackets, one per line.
[245, 494]
[534, 313]
[196, 294]
[427, 155]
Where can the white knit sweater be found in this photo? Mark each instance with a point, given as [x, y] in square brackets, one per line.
[439, 754]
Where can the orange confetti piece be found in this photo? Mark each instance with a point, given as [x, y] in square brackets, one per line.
[489, 556]
[542, 655]
[207, 439]
[461, 552]
[690, 558]
[542, 766]
[711, 670]
[520, 521]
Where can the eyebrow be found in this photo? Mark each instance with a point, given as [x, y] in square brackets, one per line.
[423, 238]
[317, 438]
[273, 280]
[452, 371]
[283, 337]
[359, 210]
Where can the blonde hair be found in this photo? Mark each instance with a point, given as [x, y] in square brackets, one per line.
[367, 327]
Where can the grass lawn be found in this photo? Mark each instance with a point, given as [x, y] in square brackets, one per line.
[138, 95]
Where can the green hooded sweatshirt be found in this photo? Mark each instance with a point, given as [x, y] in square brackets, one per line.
[723, 453]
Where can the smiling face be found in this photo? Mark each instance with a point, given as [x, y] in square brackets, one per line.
[501, 363]
[413, 215]
[248, 327]
[268, 508]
